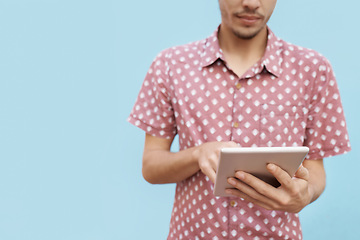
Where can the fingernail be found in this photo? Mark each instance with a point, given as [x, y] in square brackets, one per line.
[271, 166]
[240, 175]
[228, 191]
[231, 181]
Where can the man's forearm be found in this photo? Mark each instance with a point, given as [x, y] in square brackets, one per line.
[162, 166]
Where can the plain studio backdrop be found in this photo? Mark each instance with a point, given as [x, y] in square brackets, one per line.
[70, 71]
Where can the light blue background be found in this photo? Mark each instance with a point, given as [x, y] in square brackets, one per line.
[70, 71]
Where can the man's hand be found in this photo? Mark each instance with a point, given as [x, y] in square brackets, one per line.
[293, 194]
[207, 156]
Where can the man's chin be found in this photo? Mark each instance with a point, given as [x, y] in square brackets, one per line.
[246, 35]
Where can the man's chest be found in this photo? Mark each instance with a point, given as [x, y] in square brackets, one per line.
[262, 110]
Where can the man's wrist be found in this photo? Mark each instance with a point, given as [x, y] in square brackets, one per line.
[195, 155]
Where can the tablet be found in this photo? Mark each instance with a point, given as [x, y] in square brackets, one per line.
[254, 161]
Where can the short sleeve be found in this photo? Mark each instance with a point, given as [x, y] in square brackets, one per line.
[326, 131]
[153, 111]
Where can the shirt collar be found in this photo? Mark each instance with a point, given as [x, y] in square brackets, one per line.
[211, 52]
[271, 61]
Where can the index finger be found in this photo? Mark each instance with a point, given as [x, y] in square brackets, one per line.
[207, 168]
[281, 175]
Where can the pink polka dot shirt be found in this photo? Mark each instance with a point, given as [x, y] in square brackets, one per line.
[288, 98]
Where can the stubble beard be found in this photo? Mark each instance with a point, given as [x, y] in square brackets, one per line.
[245, 36]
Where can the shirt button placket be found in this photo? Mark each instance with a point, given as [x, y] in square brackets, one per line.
[238, 86]
[236, 111]
[234, 224]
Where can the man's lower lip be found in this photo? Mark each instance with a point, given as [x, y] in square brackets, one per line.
[249, 21]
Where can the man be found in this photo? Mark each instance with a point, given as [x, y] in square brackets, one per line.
[244, 87]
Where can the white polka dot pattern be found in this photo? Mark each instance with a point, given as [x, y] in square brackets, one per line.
[289, 98]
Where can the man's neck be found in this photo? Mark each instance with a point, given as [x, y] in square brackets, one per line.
[241, 54]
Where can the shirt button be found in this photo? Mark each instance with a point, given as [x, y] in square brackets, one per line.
[238, 85]
[232, 203]
[236, 125]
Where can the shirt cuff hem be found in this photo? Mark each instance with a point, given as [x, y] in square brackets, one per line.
[319, 154]
[161, 133]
